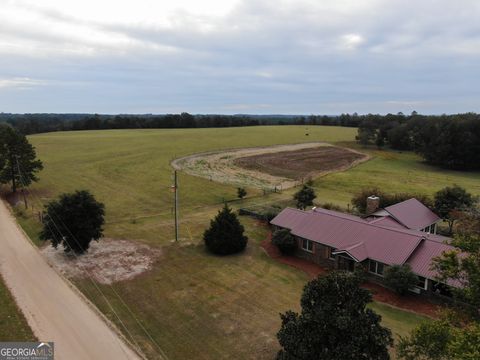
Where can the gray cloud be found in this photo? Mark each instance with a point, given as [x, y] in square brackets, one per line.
[261, 57]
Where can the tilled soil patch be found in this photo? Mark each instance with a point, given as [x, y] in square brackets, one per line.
[300, 164]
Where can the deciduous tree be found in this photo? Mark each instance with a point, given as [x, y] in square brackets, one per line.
[334, 323]
[450, 200]
[304, 197]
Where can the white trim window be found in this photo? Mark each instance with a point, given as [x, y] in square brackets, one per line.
[376, 267]
[307, 245]
[330, 253]
[422, 283]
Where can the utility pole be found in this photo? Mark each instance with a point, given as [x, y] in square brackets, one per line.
[175, 189]
[20, 176]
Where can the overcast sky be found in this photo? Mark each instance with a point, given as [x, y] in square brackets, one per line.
[240, 56]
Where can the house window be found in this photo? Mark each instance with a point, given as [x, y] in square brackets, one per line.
[330, 251]
[432, 229]
[307, 245]
[376, 267]
[421, 283]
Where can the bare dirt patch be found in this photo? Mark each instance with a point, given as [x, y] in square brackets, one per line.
[281, 166]
[300, 164]
[106, 261]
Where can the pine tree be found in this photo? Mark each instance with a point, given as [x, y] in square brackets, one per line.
[226, 234]
[18, 160]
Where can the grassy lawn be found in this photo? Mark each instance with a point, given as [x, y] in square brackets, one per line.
[193, 304]
[392, 171]
[13, 326]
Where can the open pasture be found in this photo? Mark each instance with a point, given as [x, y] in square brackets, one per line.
[195, 305]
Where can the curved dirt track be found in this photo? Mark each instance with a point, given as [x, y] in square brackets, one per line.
[225, 166]
[53, 309]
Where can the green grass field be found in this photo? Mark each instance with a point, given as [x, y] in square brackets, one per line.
[192, 303]
[13, 326]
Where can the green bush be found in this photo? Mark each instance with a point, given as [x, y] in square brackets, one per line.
[270, 214]
[332, 206]
[285, 242]
[400, 278]
[225, 235]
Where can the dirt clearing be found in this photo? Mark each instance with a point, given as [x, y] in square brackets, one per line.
[106, 261]
[281, 166]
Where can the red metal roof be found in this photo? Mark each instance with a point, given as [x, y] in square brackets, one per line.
[358, 251]
[363, 239]
[386, 221]
[413, 214]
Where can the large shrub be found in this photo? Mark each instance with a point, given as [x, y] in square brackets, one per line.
[400, 278]
[73, 221]
[225, 235]
[285, 242]
[304, 197]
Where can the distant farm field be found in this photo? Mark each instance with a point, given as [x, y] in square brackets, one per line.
[195, 305]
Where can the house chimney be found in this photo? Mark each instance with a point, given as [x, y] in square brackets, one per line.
[373, 203]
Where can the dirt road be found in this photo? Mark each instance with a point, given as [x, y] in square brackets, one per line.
[53, 309]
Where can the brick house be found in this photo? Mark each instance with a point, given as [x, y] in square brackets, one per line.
[404, 233]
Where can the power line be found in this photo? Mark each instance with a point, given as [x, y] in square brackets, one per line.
[96, 285]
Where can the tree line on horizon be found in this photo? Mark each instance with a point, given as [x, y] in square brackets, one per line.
[48, 122]
[449, 141]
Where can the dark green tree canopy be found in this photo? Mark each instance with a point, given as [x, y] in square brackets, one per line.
[304, 197]
[241, 192]
[451, 199]
[285, 241]
[334, 323]
[225, 235]
[18, 160]
[400, 278]
[73, 221]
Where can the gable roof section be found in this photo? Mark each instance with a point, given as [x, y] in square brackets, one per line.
[421, 259]
[413, 214]
[387, 221]
[358, 251]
